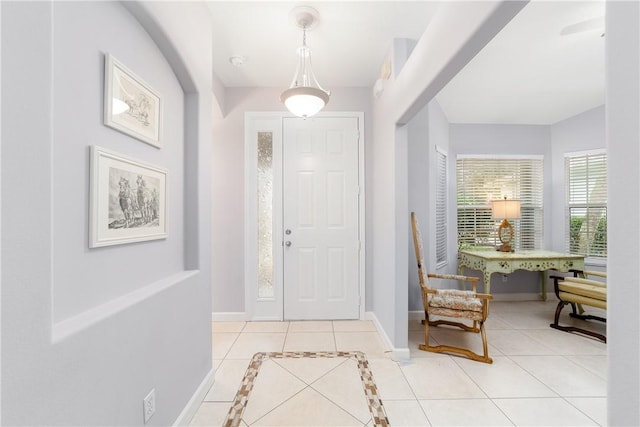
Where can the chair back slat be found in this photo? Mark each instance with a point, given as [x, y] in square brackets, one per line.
[417, 244]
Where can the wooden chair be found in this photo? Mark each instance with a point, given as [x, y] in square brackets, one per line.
[580, 290]
[450, 303]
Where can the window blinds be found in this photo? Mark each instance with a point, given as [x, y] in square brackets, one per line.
[482, 179]
[441, 209]
[586, 185]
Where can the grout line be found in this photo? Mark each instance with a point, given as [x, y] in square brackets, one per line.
[372, 397]
[469, 376]
[281, 403]
[489, 398]
[229, 349]
[502, 412]
[327, 397]
[522, 332]
[580, 410]
[535, 376]
[414, 393]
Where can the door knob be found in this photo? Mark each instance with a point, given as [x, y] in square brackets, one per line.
[287, 231]
[287, 243]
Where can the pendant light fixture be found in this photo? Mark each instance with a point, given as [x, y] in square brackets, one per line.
[305, 97]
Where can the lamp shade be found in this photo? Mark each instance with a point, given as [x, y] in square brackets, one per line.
[505, 209]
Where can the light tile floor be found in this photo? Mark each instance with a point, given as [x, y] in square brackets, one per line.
[540, 376]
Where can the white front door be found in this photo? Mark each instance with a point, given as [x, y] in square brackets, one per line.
[320, 218]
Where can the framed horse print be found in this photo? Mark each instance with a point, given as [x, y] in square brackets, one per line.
[130, 105]
[128, 200]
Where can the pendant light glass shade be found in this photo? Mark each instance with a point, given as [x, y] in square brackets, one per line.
[304, 101]
[305, 97]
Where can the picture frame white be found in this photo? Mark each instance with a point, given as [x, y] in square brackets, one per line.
[128, 200]
[131, 106]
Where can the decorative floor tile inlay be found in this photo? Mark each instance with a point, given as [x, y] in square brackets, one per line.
[239, 404]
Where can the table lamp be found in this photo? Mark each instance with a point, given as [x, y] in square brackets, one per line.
[505, 209]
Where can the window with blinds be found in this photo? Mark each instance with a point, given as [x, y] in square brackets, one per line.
[441, 209]
[586, 185]
[481, 179]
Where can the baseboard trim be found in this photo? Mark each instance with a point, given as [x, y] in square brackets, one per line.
[266, 319]
[229, 316]
[416, 315]
[522, 296]
[398, 354]
[401, 354]
[196, 400]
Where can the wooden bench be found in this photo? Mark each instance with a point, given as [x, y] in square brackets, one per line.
[581, 290]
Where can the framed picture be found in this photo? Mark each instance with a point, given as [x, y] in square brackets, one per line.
[128, 200]
[130, 105]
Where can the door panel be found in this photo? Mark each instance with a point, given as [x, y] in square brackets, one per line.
[306, 260]
[320, 209]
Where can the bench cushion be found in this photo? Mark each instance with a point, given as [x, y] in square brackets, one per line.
[579, 299]
[585, 281]
[583, 289]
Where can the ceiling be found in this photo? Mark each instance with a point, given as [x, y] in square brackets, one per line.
[349, 43]
[528, 74]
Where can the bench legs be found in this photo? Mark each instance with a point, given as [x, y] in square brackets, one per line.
[575, 315]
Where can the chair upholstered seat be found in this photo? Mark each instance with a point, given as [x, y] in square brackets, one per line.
[459, 314]
[455, 300]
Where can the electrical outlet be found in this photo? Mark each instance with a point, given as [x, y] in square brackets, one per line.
[149, 405]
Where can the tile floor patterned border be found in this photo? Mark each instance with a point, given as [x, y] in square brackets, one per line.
[378, 414]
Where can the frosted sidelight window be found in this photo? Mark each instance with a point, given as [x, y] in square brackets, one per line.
[265, 215]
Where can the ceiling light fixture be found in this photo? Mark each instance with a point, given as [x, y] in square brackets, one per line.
[305, 97]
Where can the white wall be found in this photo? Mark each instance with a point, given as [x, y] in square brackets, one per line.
[584, 131]
[87, 333]
[623, 234]
[418, 196]
[427, 130]
[228, 182]
[77, 288]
